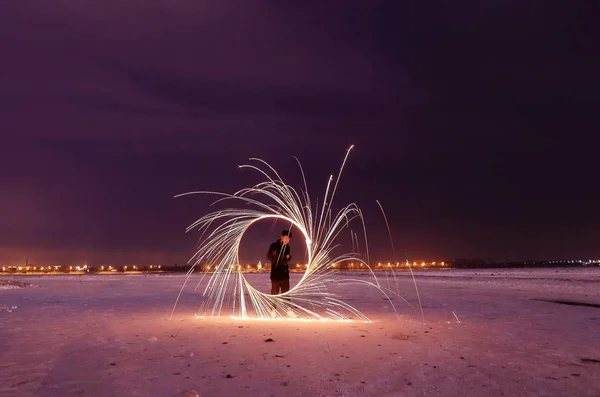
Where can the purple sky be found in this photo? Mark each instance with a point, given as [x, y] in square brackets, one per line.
[473, 121]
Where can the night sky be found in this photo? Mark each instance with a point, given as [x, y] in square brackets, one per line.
[474, 122]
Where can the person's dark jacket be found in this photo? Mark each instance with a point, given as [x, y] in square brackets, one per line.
[279, 263]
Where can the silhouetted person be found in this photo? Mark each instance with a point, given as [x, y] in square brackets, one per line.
[279, 254]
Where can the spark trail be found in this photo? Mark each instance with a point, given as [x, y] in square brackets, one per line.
[228, 293]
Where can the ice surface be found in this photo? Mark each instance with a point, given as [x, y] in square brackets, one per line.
[111, 336]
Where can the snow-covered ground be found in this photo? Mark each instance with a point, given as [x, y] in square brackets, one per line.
[486, 333]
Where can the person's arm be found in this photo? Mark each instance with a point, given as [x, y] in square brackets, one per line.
[288, 255]
[270, 252]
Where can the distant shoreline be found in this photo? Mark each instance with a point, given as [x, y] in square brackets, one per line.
[184, 270]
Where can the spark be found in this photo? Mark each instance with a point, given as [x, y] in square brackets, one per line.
[407, 264]
[310, 299]
[456, 317]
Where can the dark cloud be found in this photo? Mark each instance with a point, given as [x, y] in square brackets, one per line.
[472, 120]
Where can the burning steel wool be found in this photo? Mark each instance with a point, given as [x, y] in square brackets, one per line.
[228, 293]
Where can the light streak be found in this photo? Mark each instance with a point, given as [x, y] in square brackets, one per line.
[407, 264]
[456, 317]
[228, 293]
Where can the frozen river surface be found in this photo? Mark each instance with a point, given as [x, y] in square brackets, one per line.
[486, 333]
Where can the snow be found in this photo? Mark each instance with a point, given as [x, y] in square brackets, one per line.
[489, 332]
[12, 284]
[9, 286]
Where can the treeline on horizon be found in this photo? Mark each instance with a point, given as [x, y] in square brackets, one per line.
[482, 264]
[457, 264]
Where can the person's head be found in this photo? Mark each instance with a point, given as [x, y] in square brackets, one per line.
[286, 236]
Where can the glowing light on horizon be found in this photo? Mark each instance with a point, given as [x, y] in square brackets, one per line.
[310, 299]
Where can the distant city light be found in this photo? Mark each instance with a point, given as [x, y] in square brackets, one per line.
[258, 267]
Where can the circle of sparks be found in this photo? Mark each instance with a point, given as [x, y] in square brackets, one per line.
[228, 292]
